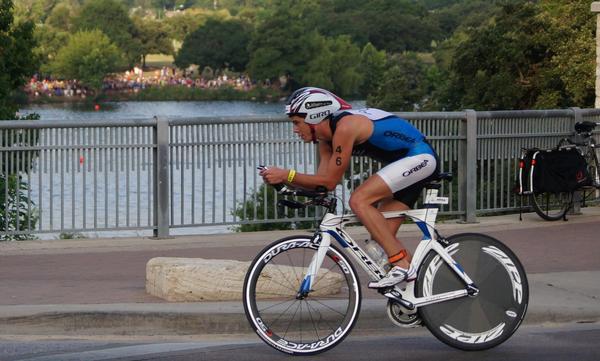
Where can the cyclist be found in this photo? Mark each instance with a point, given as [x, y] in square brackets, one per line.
[320, 116]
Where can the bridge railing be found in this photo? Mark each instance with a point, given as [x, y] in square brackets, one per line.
[163, 174]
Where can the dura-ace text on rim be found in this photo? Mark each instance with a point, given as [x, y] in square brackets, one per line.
[290, 320]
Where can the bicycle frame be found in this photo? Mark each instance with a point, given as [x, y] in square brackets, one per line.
[332, 227]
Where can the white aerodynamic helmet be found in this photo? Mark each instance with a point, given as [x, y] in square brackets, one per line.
[315, 104]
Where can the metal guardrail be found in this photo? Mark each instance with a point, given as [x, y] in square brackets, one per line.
[160, 174]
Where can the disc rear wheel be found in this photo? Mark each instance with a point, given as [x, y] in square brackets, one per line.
[483, 320]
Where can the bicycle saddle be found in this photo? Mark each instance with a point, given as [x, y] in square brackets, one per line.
[436, 183]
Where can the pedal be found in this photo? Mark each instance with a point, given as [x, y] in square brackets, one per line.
[396, 296]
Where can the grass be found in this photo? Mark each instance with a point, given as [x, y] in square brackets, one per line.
[159, 60]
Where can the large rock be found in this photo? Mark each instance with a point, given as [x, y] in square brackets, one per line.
[197, 279]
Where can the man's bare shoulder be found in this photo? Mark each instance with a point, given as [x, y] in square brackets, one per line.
[353, 125]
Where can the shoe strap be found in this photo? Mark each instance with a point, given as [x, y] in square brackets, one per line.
[398, 256]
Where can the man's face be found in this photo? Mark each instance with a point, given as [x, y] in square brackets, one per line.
[301, 128]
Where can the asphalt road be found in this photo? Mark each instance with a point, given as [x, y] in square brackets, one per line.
[553, 342]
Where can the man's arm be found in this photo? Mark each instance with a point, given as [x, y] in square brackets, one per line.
[335, 158]
[324, 156]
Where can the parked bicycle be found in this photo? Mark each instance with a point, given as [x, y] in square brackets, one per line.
[302, 294]
[554, 206]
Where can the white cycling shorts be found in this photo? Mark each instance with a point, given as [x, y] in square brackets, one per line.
[408, 171]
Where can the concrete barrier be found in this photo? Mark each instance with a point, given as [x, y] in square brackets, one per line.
[197, 279]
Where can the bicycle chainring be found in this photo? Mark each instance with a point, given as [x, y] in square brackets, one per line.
[401, 316]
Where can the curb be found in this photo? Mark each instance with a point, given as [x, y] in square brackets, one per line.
[179, 320]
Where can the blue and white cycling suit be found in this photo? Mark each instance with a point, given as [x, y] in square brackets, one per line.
[410, 162]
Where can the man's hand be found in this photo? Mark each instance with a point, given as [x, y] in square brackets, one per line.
[273, 175]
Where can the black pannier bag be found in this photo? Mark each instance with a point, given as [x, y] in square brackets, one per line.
[551, 171]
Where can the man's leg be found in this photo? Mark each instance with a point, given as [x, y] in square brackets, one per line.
[383, 231]
[390, 204]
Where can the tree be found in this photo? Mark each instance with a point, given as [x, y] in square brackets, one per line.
[184, 23]
[281, 46]
[110, 17]
[334, 65]
[404, 85]
[153, 38]
[88, 56]
[218, 44]
[61, 17]
[49, 41]
[373, 64]
[505, 65]
[17, 63]
[573, 45]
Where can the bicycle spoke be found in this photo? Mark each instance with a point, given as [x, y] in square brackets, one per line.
[276, 304]
[291, 321]
[312, 321]
[325, 305]
[298, 324]
[282, 313]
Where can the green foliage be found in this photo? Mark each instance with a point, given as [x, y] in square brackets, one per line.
[573, 45]
[262, 205]
[153, 38]
[218, 44]
[335, 65]
[281, 45]
[14, 213]
[88, 56]
[533, 55]
[404, 85]
[182, 25]
[61, 17]
[110, 17]
[49, 41]
[17, 62]
[373, 64]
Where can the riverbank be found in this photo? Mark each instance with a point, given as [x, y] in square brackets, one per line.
[167, 93]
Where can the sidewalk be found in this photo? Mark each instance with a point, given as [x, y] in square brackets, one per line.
[96, 286]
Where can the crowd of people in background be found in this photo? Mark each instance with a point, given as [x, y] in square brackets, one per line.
[133, 81]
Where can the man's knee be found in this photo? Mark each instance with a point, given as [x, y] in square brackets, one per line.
[357, 201]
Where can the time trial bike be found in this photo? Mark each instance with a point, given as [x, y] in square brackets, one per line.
[302, 293]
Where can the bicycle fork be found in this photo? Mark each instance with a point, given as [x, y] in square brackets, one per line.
[314, 266]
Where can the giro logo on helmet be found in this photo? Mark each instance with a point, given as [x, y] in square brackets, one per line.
[320, 115]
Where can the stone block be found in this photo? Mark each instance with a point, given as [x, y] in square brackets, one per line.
[197, 279]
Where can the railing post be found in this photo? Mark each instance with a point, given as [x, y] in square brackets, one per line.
[577, 196]
[161, 178]
[467, 169]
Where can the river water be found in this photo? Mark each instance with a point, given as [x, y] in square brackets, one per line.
[142, 110]
[137, 110]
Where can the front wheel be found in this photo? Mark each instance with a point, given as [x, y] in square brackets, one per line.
[480, 321]
[288, 320]
[552, 206]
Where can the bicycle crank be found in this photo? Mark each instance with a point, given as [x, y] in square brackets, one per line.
[401, 316]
